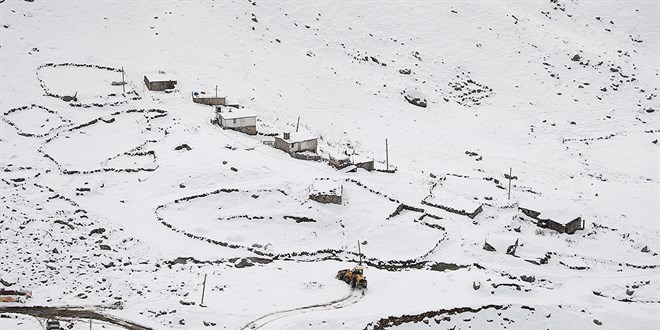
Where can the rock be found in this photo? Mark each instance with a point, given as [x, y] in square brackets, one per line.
[97, 231]
[181, 185]
[488, 247]
[105, 247]
[576, 58]
[415, 97]
[630, 292]
[244, 262]
[476, 285]
[81, 296]
[645, 249]
[182, 322]
[6, 283]
[184, 147]
[56, 251]
[186, 303]
[234, 169]
[208, 324]
[405, 71]
[598, 322]
[528, 279]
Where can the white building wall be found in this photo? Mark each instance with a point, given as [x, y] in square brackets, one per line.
[238, 122]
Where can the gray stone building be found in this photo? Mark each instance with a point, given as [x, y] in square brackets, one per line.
[159, 82]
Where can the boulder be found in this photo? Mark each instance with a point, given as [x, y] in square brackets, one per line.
[415, 97]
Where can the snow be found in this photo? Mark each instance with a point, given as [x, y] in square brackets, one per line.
[160, 76]
[98, 207]
[326, 187]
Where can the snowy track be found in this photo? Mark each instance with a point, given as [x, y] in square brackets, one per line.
[351, 298]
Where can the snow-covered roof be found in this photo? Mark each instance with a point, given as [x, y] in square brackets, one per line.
[337, 155]
[549, 210]
[299, 137]
[326, 187]
[358, 159]
[233, 113]
[561, 216]
[156, 76]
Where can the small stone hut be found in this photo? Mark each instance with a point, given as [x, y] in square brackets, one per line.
[242, 120]
[159, 82]
[363, 162]
[326, 191]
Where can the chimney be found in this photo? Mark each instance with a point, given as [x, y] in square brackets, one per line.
[287, 135]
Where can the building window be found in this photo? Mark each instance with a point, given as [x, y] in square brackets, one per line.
[233, 121]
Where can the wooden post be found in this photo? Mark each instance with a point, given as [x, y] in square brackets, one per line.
[510, 182]
[387, 156]
[203, 290]
[360, 253]
[298, 124]
[90, 313]
[216, 90]
[123, 89]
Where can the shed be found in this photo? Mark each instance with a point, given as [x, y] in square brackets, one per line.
[339, 160]
[159, 82]
[242, 120]
[203, 97]
[563, 221]
[296, 142]
[326, 191]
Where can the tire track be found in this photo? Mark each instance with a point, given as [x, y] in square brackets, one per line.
[351, 298]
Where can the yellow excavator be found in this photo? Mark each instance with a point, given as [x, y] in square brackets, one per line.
[355, 277]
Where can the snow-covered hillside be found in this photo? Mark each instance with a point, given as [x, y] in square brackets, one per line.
[118, 202]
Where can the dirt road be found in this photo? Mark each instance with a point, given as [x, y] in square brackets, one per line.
[351, 298]
[71, 313]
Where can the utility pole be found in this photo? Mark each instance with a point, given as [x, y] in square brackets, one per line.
[203, 290]
[387, 156]
[216, 90]
[123, 82]
[90, 313]
[510, 182]
[298, 124]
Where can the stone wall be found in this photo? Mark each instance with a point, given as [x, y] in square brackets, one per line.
[209, 100]
[322, 198]
[249, 130]
[282, 145]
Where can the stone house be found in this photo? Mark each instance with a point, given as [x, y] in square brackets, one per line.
[242, 120]
[159, 82]
[296, 142]
[206, 98]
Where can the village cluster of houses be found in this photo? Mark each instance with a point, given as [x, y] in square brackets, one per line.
[304, 145]
[300, 145]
